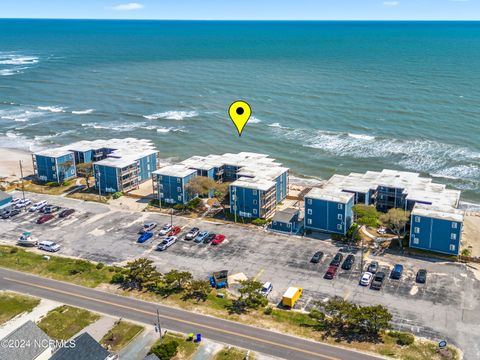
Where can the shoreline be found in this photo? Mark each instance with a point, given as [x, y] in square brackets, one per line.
[10, 171]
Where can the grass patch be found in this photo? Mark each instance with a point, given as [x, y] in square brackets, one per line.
[65, 321]
[120, 335]
[230, 354]
[185, 349]
[49, 190]
[14, 304]
[89, 195]
[76, 271]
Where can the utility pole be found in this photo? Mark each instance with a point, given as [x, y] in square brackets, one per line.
[159, 327]
[99, 186]
[21, 178]
[235, 204]
[171, 216]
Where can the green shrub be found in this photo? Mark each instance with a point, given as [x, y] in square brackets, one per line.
[193, 204]
[268, 310]
[466, 252]
[259, 222]
[402, 338]
[67, 183]
[351, 231]
[166, 350]
[117, 195]
[117, 278]
[179, 207]
[52, 184]
[100, 266]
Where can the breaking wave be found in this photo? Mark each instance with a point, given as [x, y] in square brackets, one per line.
[53, 109]
[83, 112]
[254, 120]
[20, 115]
[13, 63]
[172, 115]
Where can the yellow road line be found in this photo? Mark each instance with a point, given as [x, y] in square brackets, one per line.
[176, 319]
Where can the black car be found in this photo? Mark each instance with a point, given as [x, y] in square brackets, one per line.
[50, 209]
[337, 260]
[209, 238]
[10, 213]
[317, 257]
[377, 281]
[397, 271]
[421, 276]
[66, 212]
[373, 267]
[348, 263]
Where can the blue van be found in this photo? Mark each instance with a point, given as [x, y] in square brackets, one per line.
[397, 272]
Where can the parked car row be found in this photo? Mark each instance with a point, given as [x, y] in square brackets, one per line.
[41, 207]
[371, 277]
[204, 237]
[169, 232]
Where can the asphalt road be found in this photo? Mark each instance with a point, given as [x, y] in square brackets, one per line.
[256, 339]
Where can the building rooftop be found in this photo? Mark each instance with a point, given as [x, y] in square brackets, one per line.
[177, 170]
[438, 212]
[285, 215]
[28, 332]
[122, 152]
[254, 183]
[415, 187]
[86, 348]
[330, 195]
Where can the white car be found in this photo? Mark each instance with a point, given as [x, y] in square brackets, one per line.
[15, 201]
[37, 206]
[266, 289]
[48, 246]
[166, 243]
[148, 227]
[366, 279]
[23, 203]
[165, 229]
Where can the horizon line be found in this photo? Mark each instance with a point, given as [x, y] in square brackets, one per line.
[258, 20]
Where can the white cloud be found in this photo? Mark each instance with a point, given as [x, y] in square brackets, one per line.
[391, 3]
[128, 7]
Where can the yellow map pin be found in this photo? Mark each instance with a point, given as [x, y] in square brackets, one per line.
[239, 112]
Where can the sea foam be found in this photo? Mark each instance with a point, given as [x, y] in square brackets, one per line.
[172, 115]
[83, 112]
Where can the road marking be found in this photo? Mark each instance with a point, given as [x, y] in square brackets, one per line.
[258, 274]
[175, 319]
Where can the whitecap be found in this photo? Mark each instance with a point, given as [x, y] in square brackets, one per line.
[83, 112]
[53, 109]
[164, 130]
[254, 120]
[277, 125]
[11, 59]
[20, 115]
[172, 115]
[361, 136]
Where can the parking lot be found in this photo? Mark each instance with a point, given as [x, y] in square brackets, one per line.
[447, 306]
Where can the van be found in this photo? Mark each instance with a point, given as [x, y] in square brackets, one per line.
[266, 289]
[48, 246]
[291, 296]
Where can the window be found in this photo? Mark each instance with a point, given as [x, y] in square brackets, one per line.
[254, 211]
[309, 221]
[160, 177]
[340, 206]
[454, 225]
[179, 197]
[417, 219]
[53, 168]
[254, 202]
[289, 225]
[161, 195]
[179, 189]
[179, 180]
[254, 192]
[309, 201]
[416, 241]
[160, 186]
[453, 236]
[339, 217]
[416, 230]
[309, 211]
[274, 223]
[452, 247]
[339, 226]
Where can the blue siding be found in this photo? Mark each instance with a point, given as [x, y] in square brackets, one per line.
[66, 172]
[245, 202]
[281, 187]
[8, 199]
[108, 180]
[437, 235]
[290, 227]
[46, 169]
[173, 188]
[328, 216]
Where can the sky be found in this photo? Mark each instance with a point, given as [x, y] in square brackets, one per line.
[244, 9]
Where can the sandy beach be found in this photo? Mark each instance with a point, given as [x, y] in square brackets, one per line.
[9, 165]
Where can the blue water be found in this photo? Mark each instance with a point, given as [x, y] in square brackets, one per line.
[327, 97]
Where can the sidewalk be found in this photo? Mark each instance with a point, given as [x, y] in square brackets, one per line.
[99, 328]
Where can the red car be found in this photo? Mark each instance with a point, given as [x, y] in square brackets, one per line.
[331, 271]
[45, 218]
[175, 231]
[218, 239]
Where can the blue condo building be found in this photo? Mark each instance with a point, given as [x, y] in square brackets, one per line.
[118, 164]
[257, 182]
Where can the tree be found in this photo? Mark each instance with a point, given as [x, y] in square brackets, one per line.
[375, 319]
[221, 191]
[395, 220]
[198, 290]
[64, 167]
[366, 215]
[166, 350]
[85, 170]
[177, 280]
[141, 273]
[250, 293]
[200, 185]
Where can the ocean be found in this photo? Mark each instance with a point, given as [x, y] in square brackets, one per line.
[326, 97]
